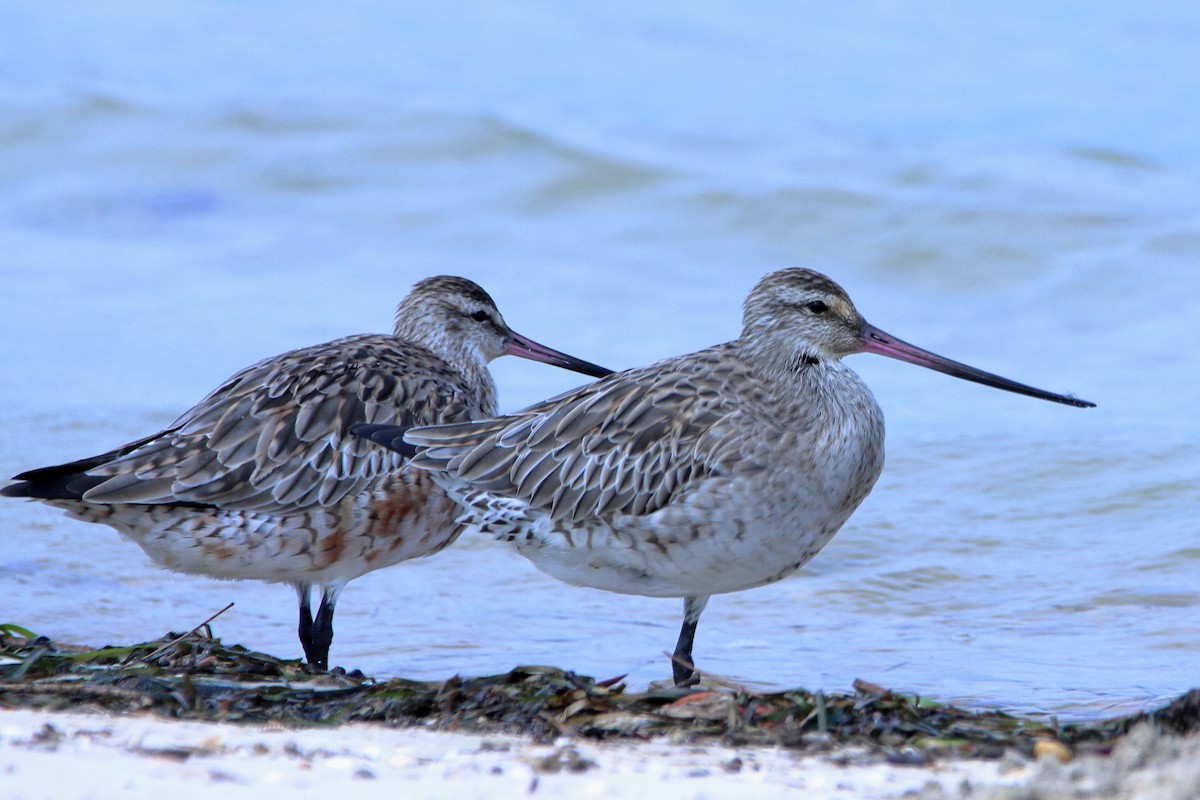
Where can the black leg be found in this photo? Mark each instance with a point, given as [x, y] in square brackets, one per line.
[322, 636]
[305, 630]
[682, 665]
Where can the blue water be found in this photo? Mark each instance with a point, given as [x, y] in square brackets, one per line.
[189, 188]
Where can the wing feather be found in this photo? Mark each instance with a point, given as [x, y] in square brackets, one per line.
[274, 437]
[628, 444]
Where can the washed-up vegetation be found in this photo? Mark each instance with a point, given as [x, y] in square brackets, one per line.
[196, 676]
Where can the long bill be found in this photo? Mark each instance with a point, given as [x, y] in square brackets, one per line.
[880, 343]
[520, 346]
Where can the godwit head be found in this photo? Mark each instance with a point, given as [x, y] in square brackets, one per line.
[457, 319]
[795, 317]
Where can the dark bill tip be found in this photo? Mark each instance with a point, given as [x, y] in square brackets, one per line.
[520, 346]
[880, 343]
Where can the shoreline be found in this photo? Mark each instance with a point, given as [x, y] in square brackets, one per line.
[186, 713]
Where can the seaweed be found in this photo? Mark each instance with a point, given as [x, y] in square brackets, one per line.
[195, 676]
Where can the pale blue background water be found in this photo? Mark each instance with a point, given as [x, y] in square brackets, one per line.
[186, 188]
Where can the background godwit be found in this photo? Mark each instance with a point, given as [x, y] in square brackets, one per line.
[260, 480]
[713, 472]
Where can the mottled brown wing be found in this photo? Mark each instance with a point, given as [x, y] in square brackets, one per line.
[273, 438]
[627, 444]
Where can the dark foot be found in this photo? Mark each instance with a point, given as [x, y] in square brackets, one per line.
[684, 675]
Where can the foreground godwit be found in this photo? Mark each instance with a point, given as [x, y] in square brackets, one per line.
[261, 479]
[712, 472]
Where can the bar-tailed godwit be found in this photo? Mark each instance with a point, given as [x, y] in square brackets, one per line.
[713, 472]
[261, 479]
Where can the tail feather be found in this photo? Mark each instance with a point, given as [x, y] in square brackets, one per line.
[69, 486]
[67, 481]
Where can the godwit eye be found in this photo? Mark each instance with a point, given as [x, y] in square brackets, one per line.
[481, 316]
[817, 307]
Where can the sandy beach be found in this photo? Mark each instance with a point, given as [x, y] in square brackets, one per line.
[188, 715]
[74, 755]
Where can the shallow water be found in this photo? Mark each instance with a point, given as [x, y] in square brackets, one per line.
[187, 190]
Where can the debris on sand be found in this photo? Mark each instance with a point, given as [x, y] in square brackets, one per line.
[196, 676]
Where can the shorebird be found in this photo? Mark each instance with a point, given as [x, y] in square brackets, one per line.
[713, 472]
[262, 480]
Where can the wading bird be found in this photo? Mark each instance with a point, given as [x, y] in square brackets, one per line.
[712, 472]
[261, 479]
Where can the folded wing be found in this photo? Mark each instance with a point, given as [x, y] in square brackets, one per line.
[274, 437]
[627, 444]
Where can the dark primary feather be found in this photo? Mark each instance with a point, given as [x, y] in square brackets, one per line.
[67, 481]
[389, 436]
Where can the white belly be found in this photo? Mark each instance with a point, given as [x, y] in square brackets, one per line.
[722, 539]
[406, 517]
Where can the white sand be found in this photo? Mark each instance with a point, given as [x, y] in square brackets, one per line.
[1144, 765]
[68, 755]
